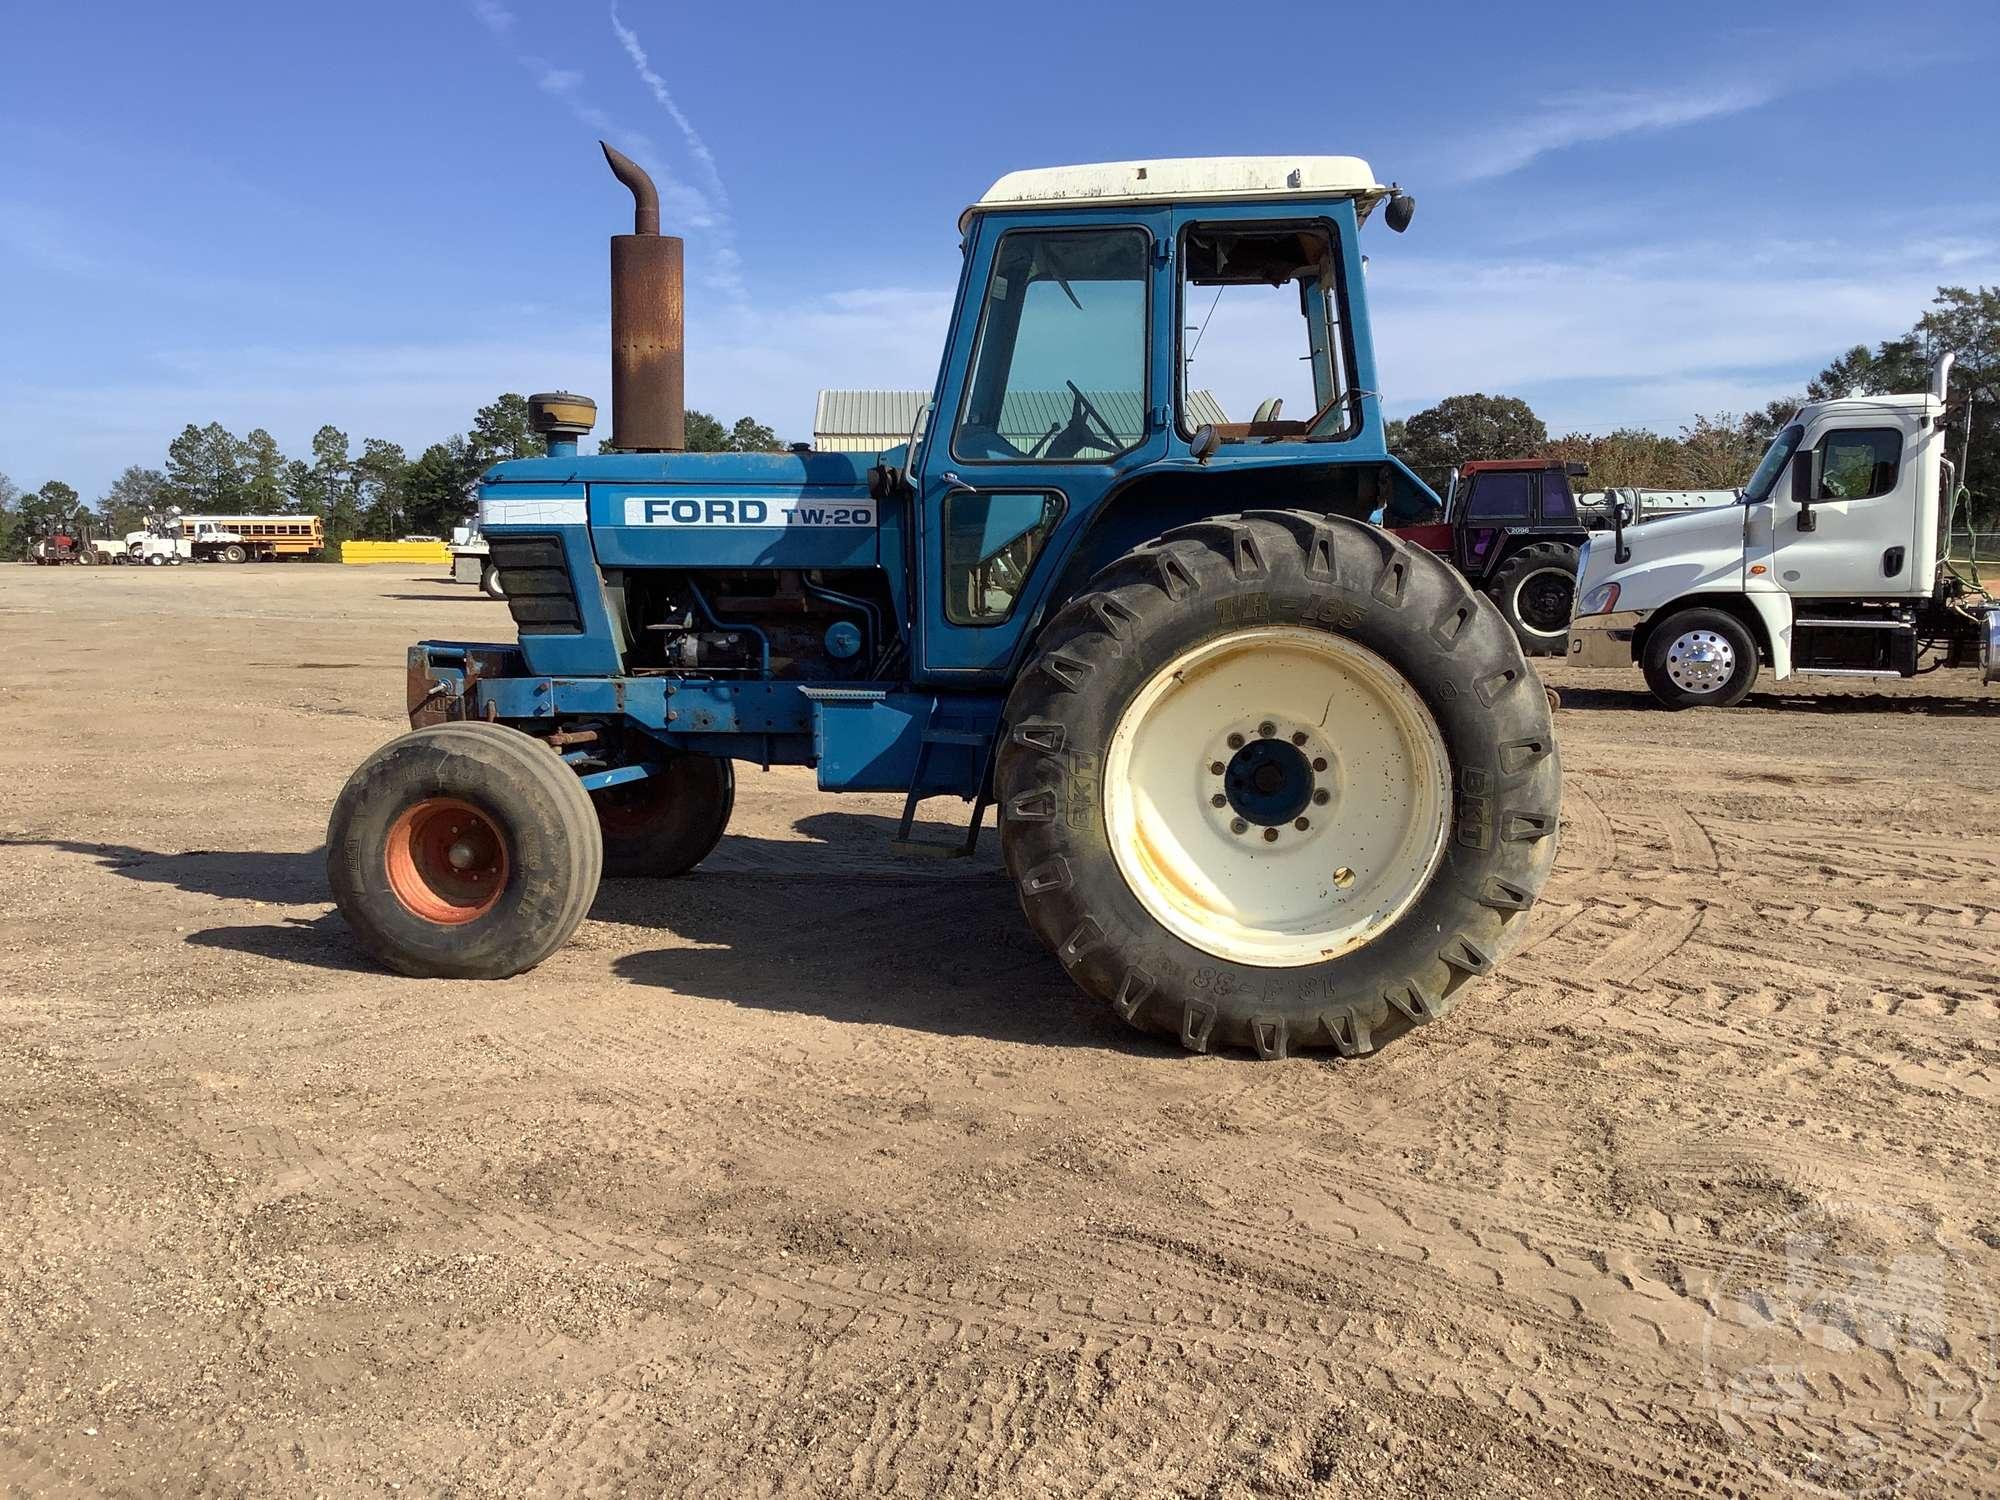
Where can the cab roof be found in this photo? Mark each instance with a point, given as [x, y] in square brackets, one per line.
[1178, 179]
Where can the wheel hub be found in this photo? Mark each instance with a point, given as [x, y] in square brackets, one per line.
[446, 861]
[1701, 661]
[1268, 782]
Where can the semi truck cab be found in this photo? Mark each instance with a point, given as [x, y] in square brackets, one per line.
[1834, 563]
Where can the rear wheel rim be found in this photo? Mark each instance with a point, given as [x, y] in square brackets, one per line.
[1277, 796]
[1543, 600]
[446, 861]
[1701, 662]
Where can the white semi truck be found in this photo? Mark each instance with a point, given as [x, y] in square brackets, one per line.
[1832, 564]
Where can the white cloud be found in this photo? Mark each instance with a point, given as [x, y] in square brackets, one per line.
[494, 16]
[1574, 118]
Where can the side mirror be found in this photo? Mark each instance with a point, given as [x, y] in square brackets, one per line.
[1803, 465]
[1204, 443]
[1402, 208]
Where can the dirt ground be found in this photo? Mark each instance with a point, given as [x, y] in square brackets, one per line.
[811, 1175]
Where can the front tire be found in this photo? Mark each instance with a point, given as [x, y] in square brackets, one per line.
[1536, 591]
[234, 554]
[668, 823]
[463, 851]
[490, 584]
[1302, 655]
[1700, 658]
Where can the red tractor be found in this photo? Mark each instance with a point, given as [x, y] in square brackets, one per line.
[1512, 527]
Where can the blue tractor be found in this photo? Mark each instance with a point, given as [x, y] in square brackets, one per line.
[1266, 777]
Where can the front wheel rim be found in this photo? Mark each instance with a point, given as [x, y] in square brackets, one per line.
[1701, 661]
[446, 861]
[1277, 796]
[1543, 599]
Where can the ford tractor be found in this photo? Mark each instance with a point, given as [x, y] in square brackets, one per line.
[1265, 776]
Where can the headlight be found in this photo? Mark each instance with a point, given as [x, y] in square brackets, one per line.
[1600, 600]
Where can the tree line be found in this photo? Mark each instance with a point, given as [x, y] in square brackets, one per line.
[1720, 451]
[377, 494]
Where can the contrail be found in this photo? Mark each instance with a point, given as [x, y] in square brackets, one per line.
[697, 147]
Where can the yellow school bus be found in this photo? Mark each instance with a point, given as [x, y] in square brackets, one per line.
[243, 538]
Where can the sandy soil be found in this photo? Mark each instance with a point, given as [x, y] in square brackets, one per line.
[811, 1175]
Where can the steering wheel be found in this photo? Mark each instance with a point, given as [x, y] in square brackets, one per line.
[1077, 434]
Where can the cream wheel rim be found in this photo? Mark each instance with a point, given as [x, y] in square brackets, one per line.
[1277, 796]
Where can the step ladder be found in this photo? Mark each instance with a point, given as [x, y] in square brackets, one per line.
[945, 734]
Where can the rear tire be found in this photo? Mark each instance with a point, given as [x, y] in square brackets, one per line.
[668, 823]
[1535, 590]
[1249, 609]
[463, 851]
[1700, 658]
[490, 584]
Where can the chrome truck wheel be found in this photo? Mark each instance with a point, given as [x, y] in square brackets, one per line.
[463, 851]
[1698, 658]
[1278, 781]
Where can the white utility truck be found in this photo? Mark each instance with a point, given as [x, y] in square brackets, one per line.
[472, 560]
[1833, 564]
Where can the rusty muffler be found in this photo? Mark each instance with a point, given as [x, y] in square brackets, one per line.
[648, 324]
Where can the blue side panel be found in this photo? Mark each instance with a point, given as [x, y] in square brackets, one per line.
[545, 509]
[726, 524]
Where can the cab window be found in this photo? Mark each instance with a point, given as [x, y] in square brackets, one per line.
[1501, 495]
[1858, 465]
[1557, 502]
[1263, 344]
[1059, 369]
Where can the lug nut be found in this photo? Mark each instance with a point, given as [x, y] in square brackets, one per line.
[1267, 729]
[1215, 768]
[1302, 824]
[1239, 826]
[1298, 736]
[1236, 742]
[1270, 835]
[1319, 762]
[1218, 800]
[1321, 798]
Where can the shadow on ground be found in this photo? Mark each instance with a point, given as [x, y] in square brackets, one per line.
[1590, 699]
[832, 925]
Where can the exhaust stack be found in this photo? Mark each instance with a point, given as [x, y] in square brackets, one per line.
[648, 324]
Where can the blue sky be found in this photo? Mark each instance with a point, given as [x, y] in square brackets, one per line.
[379, 215]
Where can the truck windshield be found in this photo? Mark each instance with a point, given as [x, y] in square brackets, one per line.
[1775, 458]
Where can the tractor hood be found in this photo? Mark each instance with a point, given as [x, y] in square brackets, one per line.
[704, 510]
[1693, 552]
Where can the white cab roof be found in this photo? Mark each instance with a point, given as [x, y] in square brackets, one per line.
[1179, 178]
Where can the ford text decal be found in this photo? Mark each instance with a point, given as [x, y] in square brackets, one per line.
[744, 510]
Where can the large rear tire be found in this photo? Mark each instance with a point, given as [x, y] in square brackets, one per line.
[463, 851]
[1278, 781]
[1535, 590]
[668, 823]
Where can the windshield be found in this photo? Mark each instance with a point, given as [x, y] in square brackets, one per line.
[1775, 458]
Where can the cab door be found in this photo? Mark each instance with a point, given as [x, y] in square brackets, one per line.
[1048, 402]
[1846, 531]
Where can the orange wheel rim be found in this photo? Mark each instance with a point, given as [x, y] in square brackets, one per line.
[447, 861]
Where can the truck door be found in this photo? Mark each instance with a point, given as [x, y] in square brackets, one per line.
[1047, 403]
[1859, 518]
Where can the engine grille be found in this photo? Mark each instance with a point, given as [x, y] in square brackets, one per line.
[535, 576]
